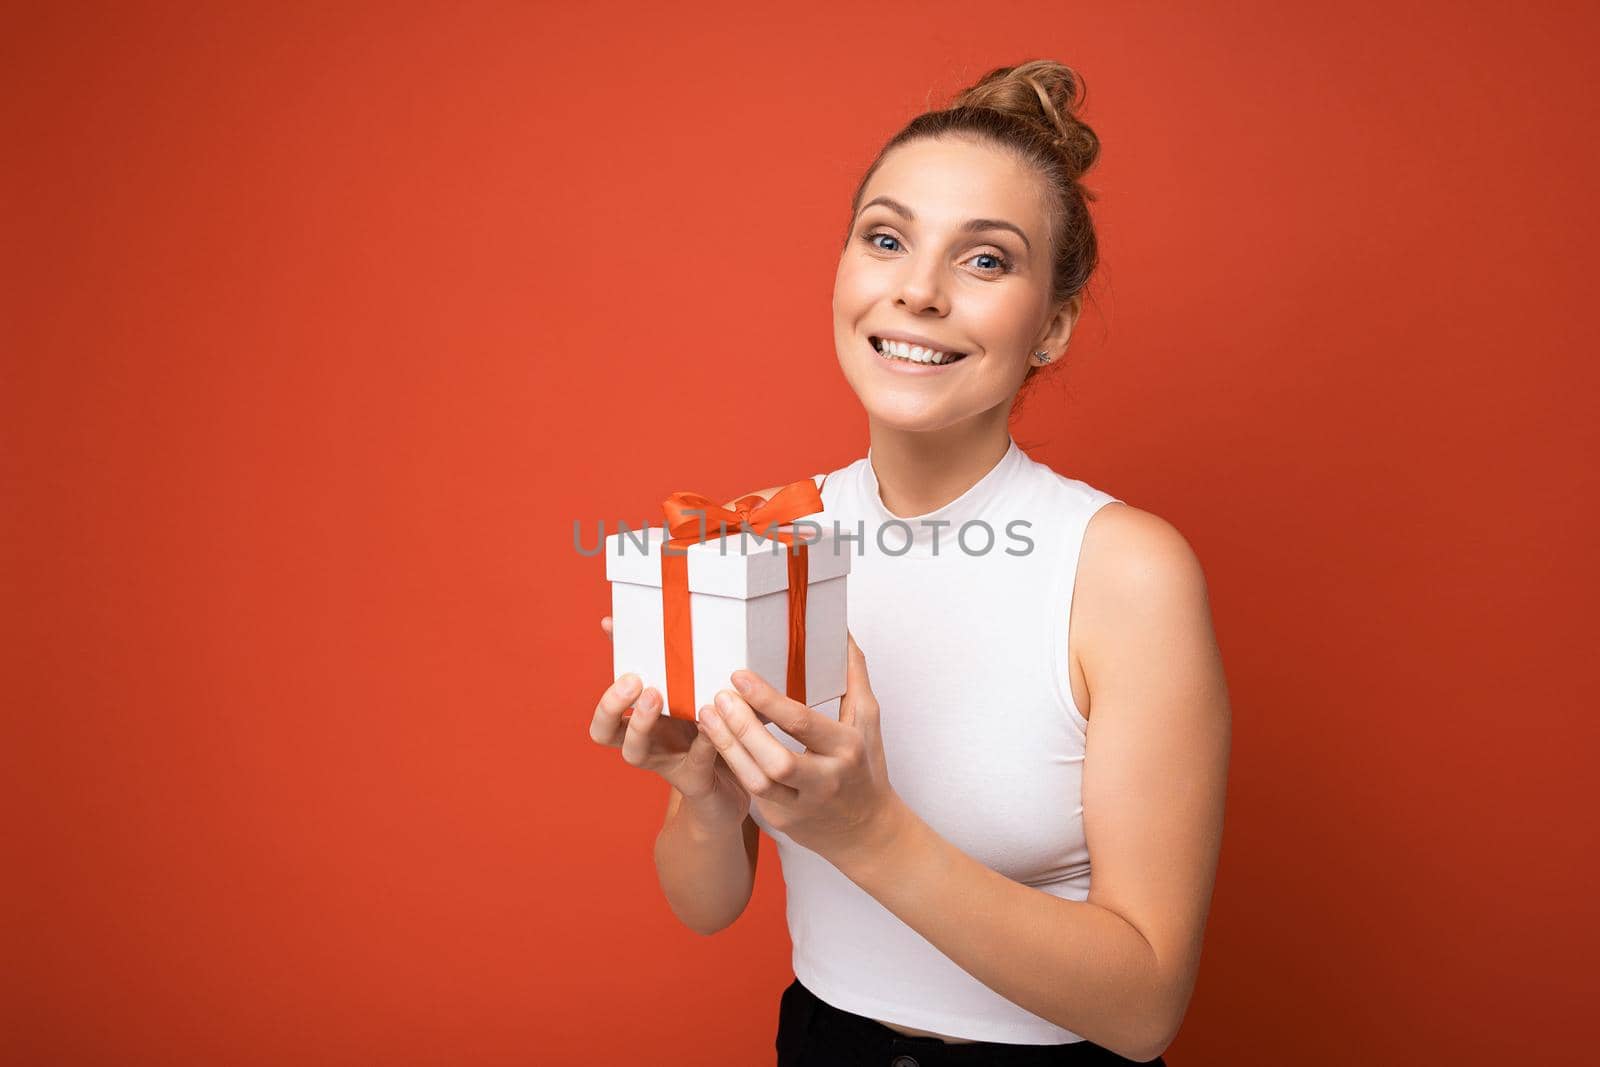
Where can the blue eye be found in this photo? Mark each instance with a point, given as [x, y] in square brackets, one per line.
[1005, 265]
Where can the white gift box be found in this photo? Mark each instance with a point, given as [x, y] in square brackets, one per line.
[738, 610]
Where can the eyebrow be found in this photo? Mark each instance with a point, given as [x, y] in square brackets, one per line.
[970, 226]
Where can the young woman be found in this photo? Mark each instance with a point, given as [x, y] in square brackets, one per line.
[936, 837]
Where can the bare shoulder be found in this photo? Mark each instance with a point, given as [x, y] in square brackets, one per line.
[764, 494]
[768, 493]
[1136, 571]
[1124, 544]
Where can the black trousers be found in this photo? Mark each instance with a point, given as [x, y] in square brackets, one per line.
[813, 1033]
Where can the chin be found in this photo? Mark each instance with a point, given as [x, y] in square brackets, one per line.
[909, 418]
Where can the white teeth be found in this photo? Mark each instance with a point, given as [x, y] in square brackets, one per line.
[914, 353]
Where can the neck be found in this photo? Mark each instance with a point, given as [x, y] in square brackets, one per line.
[922, 471]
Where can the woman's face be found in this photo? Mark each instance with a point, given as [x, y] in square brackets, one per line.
[913, 268]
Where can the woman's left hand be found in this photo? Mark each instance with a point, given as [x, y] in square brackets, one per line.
[834, 798]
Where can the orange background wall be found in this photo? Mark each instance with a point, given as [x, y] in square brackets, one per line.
[323, 323]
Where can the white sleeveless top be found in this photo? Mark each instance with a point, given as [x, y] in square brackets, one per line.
[967, 652]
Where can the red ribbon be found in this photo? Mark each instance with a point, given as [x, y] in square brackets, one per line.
[692, 514]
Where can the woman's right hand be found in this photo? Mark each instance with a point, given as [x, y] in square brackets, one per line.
[675, 749]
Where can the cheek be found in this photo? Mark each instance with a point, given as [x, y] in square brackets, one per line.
[1004, 321]
[848, 289]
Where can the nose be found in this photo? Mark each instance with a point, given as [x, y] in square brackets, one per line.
[922, 288]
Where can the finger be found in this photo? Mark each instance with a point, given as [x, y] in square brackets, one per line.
[636, 741]
[818, 732]
[736, 751]
[607, 725]
[605, 624]
[859, 703]
[699, 766]
[702, 752]
[776, 760]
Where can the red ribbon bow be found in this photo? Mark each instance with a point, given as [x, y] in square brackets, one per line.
[691, 519]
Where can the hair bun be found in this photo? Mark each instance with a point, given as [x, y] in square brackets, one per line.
[1043, 93]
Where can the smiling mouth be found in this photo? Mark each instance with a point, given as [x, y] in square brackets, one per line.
[876, 343]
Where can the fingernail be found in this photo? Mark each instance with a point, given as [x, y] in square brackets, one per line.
[741, 682]
[725, 700]
[627, 683]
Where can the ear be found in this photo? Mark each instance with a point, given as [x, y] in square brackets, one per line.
[1058, 331]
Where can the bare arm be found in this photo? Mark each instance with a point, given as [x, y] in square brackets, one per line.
[707, 874]
[1119, 967]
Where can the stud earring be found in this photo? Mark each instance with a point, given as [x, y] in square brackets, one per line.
[1042, 357]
